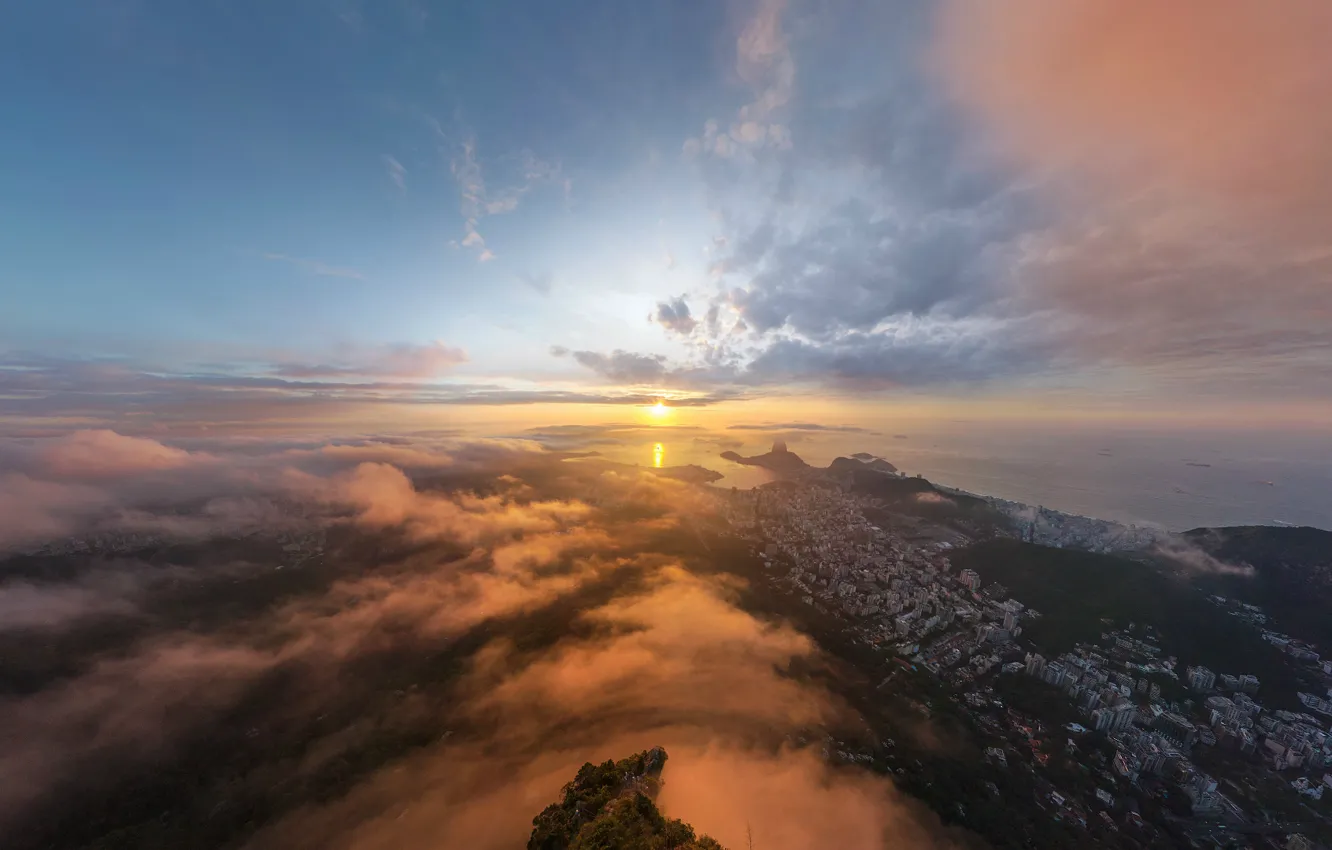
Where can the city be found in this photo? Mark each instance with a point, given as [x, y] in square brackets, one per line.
[1161, 722]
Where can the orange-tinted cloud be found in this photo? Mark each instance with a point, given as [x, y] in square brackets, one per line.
[790, 800]
[106, 454]
[1184, 150]
[674, 664]
[32, 510]
[385, 497]
[128, 712]
[1223, 98]
[655, 654]
[681, 648]
[403, 457]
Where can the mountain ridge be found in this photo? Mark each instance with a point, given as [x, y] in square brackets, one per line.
[610, 806]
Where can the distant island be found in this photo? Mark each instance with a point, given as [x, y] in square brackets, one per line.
[867, 460]
[784, 462]
[690, 474]
[780, 460]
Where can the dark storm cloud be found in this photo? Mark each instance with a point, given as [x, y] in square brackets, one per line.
[673, 315]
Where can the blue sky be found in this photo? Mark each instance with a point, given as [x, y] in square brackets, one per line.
[283, 174]
[704, 200]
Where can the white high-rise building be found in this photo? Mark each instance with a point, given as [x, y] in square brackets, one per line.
[1035, 664]
[1200, 678]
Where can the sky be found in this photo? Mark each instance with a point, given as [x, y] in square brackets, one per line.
[236, 214]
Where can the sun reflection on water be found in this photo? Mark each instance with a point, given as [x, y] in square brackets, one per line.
[658, 455]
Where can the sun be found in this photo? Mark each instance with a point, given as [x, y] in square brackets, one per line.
[659, 410]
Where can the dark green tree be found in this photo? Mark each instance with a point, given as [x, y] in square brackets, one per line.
[609, 806]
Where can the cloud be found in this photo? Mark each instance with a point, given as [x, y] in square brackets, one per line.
[899, 352]
[54, 605]
[860, 266]
[341, 455]
[124, 709]
[674, 663]
[405, 361]
[395, 171]
[673, 315]
[721, 789]
[132, 712]
[765, 63]
[542, 283]
[929, 498]
[499, 601]
[878, 252]
[683, 630]
[1249, 77]
[478, 201]
[1195, 559]
[1165, 249]
[1068, 224]
[384, 497]
[800, 426]
[763, 59]
[32, 510]
[624, 367]
[92, 454]
[707, 382]
[317, 267]
[180, 396]
[913, 354]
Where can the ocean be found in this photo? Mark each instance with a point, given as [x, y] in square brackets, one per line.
[1172, 479]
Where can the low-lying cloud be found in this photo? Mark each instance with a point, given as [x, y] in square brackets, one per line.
[1195, 559]
[571, 630]
[675, 664]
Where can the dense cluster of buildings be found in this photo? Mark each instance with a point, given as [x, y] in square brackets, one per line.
[1153, 737]
[295, 526]
[296, 545]
[1071, 531]
[904, 598]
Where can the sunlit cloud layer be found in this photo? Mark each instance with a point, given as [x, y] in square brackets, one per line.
[453, 548]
